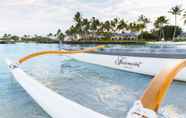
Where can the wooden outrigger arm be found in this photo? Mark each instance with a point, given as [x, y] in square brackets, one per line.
[155, 93]
[60, 52]
[158, 87]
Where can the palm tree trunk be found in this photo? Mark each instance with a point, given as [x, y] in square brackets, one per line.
[174, 34]
[160, 34]
[163, 34]
[142, 34]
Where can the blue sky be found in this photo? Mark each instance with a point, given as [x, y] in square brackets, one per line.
[43, 16]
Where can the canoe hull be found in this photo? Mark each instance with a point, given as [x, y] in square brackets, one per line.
[52, 103]
[142, 65]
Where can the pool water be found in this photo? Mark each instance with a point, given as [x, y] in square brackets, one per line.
[107, 91]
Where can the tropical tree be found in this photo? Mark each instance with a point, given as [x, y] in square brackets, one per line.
[72, 31]
[169, 31]
[78, 23]
[135, 27]
[114, 24]
[15, 38]
[78, 17]
[132, 26]
[159, 23]
[107, 26]
[85, 28]
[176, 11]
[101, 28]
[141, 27]
[122, 26]
[184, 17]
[95, 23]
[5, 36]
[60, 36]
[49, 35]
[143, 21]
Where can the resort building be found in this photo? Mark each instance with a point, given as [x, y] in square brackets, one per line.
[182, 36]
[100, 36]
[124, 36]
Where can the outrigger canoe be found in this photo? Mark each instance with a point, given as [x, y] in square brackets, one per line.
[59, 107]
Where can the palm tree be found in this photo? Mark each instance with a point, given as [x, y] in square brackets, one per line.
[77, 17]
[95, 23]
[72, 32]
[9, 35]
[176, 11]
[107, 26]
[49, 35]
[184, 17]
[122, 26]
[135, 27]
[60, 36]
[5, 36]
[159, 23]
[78, 25]
[101, 28]
[85, 27]
[143, 21]
[98, 25]
[114, 24]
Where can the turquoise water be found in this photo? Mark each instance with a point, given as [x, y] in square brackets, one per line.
[108, 91]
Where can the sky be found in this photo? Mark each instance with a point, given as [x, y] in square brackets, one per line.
[44, 16]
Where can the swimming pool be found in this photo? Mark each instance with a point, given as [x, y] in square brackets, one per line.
[108, 91]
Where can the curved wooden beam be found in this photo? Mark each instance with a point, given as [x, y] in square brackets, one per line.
[60, 52]
[158, 87]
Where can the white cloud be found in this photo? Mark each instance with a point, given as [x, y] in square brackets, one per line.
[43, 16]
